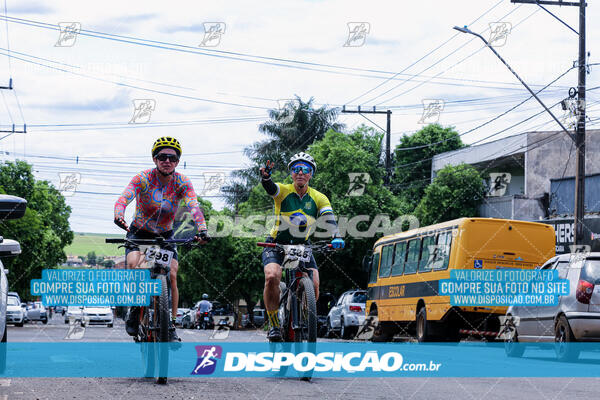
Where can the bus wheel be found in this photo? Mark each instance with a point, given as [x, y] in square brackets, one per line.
[423, 327]
[382, 332]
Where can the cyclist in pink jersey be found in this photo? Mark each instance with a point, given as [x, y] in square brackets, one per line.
[158, 192]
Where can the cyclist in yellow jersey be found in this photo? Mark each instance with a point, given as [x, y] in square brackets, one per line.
[297, 208]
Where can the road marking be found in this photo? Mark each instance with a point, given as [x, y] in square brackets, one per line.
[4, 382]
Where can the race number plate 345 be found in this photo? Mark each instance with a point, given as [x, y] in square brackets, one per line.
[159, 256]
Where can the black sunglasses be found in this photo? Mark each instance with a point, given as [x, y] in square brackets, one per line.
[164, 157]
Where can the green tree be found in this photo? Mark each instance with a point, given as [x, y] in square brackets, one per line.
[457, 191]
[91, 258]
[44, 230]
[289, 130]
[412, 160]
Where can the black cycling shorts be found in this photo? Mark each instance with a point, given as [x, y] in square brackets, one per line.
[274, 255]
[135, 233]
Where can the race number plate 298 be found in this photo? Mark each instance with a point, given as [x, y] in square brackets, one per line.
[159, 256]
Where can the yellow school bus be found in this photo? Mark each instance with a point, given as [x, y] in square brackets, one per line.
[405, 270]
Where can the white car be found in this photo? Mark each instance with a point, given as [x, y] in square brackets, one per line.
[74, 313]
[347, 314]
[14, 312]
[98, 316]
[576, 318]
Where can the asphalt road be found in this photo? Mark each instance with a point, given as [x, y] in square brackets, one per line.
[266, 388]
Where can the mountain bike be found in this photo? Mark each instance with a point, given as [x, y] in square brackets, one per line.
[298, 304]
[154, 319]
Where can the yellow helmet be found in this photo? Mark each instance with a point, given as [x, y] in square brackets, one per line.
[166, 142]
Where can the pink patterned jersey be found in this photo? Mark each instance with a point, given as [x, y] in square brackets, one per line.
[156, 205]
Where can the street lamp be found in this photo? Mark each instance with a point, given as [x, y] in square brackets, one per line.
[464, 29]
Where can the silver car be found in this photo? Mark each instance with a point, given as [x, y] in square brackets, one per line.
[37, 312]
[97, 316]
[575, 318]
[347, 314]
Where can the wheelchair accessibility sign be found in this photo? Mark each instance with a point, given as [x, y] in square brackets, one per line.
[477, 264]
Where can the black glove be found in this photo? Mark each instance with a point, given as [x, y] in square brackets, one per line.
[265, 171]
[203, 235]
[120, 222]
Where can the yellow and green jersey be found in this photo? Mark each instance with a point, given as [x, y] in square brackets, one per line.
[295, 216]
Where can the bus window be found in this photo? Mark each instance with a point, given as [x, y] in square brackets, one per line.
[425, 263]
[387, 255]
[412, 259]
[374, 268]
[399, 257]
[443, 251]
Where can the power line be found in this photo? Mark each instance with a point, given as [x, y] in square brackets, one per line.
[449, 68]
[214, 52]
[420, 59]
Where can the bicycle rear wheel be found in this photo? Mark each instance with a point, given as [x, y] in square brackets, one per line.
[147, 345]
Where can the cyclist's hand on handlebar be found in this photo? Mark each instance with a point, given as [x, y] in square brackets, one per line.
[265, 171]
[202, 237]
[338, 243]
[120, 222]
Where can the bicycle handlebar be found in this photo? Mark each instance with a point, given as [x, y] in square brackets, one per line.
[149, 241]
[313, 246]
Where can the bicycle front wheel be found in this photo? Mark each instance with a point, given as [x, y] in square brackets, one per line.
[162, 335]
[307, 312]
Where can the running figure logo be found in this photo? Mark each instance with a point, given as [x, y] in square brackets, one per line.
[213, 31]
[68, 33]
[432, 109]
[142, 110]
[358, 183]
[357, 34]
[499, 33]
[207, 359]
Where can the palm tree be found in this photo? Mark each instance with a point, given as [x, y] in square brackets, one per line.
[289, 130]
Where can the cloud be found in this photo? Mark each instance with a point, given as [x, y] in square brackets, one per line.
[119, 101]
[30, 8]
[181, 28]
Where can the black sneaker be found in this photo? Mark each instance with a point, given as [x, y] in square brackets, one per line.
[274, 335]
[132, 323]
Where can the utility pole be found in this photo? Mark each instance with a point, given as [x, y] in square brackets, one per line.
[579, 211]
[388, 140]
[10, 87]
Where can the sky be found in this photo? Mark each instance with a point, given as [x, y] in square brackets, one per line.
[208, 72]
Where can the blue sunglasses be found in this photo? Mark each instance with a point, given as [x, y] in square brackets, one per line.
[301, 167]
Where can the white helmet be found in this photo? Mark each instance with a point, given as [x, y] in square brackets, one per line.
[302, 156]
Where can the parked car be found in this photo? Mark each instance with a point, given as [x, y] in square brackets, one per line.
[180, 313]
[15, 294]
[325, 303]
[37, 312]
[75, 313]
[259, 316]
[575, 318]
[11, 207]
[14, 312]
[97, 316]
[347, 314]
